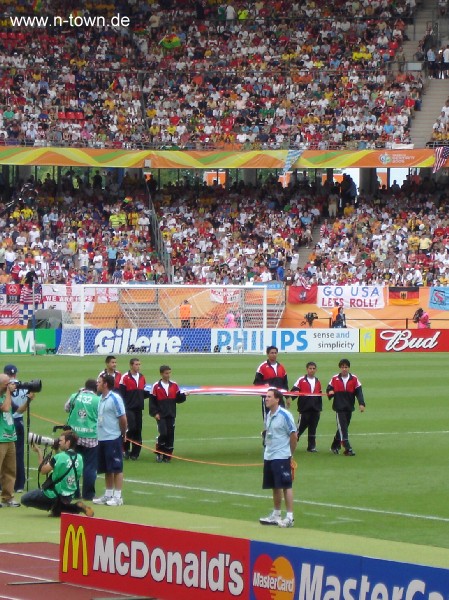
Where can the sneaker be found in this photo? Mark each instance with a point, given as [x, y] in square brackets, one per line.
[167, 459]
[349, 452]
[115, 501]
[102, 500]
[19, 491]
[11, 504]
[312, 450]
[159, 458]
[131, 457]
[270, 520]
[87, 510]
[287, 522]
[335, 450]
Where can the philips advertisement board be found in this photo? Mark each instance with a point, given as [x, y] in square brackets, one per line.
[287, 340]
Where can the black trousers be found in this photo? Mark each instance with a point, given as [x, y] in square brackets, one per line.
[341, 438]
[20, 454]
[309, 420]
[166, 437]
[134, 416]
[37, 499]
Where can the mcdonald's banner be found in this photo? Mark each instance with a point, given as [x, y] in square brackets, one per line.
[171, 564]
[404, 296]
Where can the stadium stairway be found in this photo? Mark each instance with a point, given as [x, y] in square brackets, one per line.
[436, 90]
[435, 97]
[305, 251]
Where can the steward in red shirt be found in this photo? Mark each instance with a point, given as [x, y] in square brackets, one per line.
[271, 373]
[164, 397]
[133, 392]
[310, 404]
[344, 388]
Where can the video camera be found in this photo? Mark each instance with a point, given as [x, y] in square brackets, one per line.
[42, 440]
[35, 385]
[309, 318]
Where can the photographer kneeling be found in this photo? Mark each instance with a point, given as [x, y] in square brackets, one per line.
[64, 469]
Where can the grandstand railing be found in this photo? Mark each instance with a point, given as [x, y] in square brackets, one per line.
[289, 142]
[156, 234]
[399, 323]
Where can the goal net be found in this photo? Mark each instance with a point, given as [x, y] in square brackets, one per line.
[111, 319]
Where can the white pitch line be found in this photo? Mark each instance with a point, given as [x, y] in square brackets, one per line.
[24, 554]
[308, 502]
[25, 576]
[322, 435]
[46, 580]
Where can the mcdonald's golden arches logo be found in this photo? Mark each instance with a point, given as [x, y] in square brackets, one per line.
[76, 540]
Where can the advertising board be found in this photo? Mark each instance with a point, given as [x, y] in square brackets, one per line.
[170, 564]
[287, 340]
[412, 340]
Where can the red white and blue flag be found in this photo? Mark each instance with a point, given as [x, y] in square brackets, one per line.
[27, 296]
[242, 390]
[441, 156]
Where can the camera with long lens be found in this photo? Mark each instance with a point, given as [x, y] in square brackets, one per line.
[42, 440]
[310, 318]
[35, 385]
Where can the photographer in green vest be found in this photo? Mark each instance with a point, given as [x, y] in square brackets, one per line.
[83, 418]
[63, 472]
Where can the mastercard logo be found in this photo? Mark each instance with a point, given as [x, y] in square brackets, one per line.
[273, 579]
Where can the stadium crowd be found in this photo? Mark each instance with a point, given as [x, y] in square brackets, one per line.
[244, 234]
[207, 74]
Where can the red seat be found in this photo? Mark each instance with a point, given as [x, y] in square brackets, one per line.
[70, 116]
[61, 116]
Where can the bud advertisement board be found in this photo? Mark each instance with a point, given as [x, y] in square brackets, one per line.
[171, 564]
[412, 340]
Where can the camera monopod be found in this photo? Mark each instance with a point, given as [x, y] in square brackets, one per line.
[33, 386]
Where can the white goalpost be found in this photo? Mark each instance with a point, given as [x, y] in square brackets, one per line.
[124, 319]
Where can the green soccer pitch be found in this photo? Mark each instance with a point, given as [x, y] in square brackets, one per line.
[394, 491]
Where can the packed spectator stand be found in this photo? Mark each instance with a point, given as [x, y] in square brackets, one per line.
[243, 234]
[205, 74]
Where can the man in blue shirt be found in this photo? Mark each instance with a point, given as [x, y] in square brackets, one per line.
[280, 444]
[111, 431]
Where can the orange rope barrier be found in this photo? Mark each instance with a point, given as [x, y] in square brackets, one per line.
[154, 451]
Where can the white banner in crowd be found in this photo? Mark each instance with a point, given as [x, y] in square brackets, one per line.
[351, 296]
[225, 296]
[68, 298]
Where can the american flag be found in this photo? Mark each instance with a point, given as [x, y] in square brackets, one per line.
[303, 282]
[441, 156]
[26, 294]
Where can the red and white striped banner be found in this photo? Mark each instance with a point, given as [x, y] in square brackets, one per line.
[245, 390]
